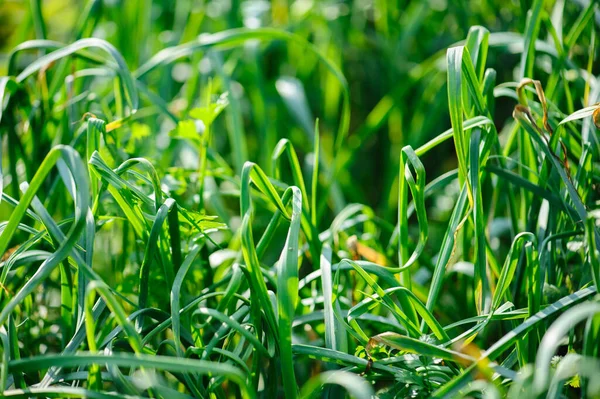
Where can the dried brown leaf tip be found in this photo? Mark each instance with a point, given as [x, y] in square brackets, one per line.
[524, 108]
[85, 117]
[596, 118]
[541, 97]
[359, 251]
[483, 366]
[8, 253]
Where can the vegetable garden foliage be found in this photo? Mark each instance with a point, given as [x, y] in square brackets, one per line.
[311, 199]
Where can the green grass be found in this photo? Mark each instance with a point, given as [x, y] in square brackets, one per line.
[299, 199]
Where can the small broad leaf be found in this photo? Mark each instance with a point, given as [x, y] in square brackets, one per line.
[186, 130]
[199, 221]
[210, 113]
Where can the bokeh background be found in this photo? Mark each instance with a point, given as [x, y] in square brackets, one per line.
[391, 52]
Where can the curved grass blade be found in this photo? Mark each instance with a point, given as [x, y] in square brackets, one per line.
[124, 73]
[73, 162]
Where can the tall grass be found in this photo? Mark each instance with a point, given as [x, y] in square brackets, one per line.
[276, 208]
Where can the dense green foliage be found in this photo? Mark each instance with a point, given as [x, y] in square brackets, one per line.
[299, 198]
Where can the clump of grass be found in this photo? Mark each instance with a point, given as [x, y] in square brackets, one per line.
[177, 223]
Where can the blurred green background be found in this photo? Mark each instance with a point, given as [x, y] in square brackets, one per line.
[391, 52]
